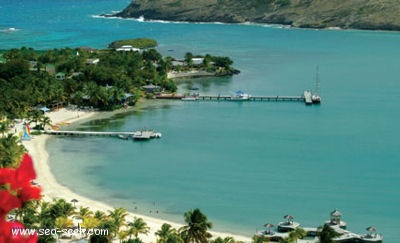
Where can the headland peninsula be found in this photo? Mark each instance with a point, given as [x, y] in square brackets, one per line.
[105, 79]
[49, 90]
[351, 14]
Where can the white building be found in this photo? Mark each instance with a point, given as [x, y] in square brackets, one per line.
[127, 48]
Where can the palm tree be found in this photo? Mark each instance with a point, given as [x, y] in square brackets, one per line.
[101, 216]
[196, 228]
[117, 217]
[298, 233]
[116, 94]
[122, 235]
[90, 222]
[92, 90]
[174, 238]
[10, 151]
[166, 229]
[224, 240]
[138, 226]
[326, 234]
[61, 208]
[85, 212]
[28, 214]
[4, 126]
[35, 116]
[167, 234]
[207, 61]
[63, 222]
[168, 63]
[189, 59]
[259, 239]
[44, 216]
[45, 121]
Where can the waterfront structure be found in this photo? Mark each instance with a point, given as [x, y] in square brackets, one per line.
[306, 97]
[345, 236]
[127, 48]
[336, 220]
[151, 88]
[137, 135]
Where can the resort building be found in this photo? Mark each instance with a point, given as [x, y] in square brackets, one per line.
[284, 228]
[151, 88]
[127, 48]
[336, 220]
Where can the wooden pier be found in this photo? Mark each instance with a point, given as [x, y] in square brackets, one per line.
[146, 134]
[88, 133]
[306, 98]
[252, 98]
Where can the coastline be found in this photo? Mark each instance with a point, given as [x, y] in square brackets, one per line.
[52, 189]
[189, 74]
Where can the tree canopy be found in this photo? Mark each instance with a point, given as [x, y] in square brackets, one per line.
[85, 77]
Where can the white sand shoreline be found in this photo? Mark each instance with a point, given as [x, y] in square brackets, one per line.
[52, 189]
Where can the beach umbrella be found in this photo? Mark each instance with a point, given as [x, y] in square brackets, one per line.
[44, 109]
[74, 201]
[288, 217]
[371, 229]
[268, 226]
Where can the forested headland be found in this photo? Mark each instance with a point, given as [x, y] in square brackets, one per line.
[104, 79]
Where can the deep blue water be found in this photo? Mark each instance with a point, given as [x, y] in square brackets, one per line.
[242, 164]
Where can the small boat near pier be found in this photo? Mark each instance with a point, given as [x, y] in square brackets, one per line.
[240, 95]
[315, 98]
[146, 135]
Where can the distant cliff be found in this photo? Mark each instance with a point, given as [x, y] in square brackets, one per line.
[356, 14]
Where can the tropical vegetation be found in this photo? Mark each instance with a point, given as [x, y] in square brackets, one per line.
[196, 228]
[141, 43]
[103, 79]
[85, 77]
[326, 234]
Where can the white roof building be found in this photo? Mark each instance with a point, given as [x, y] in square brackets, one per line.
[127, 48]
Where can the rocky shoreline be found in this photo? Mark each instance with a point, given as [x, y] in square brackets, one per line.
[351, 14]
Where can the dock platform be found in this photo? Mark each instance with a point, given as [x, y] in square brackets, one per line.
[307, 97]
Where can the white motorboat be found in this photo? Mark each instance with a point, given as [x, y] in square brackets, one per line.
[240, 95]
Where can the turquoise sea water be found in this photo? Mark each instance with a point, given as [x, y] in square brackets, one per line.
[243, 164]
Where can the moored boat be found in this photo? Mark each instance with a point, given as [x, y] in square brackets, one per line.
[240, 95]
[123, 137]
[189, 98]
[146, 135]
[316, 99]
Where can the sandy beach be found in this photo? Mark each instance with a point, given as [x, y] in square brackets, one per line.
[52, 189]
[190, 74]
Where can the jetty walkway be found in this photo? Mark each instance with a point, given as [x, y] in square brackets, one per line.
[137, 135]
[88, 133]
[306, 98]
